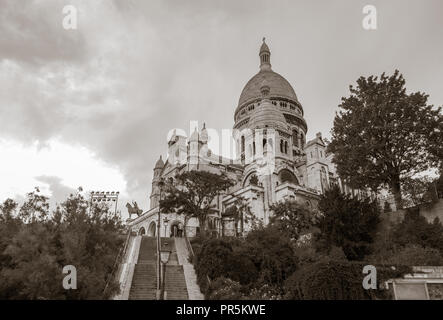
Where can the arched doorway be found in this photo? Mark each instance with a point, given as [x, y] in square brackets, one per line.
[141, 231]
[152, 229]
[176, 229]
[287, 176]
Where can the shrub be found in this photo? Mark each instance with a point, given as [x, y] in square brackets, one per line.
[410, 255]
[337, 280]
[272, 254]
[224, 289]
[35, 246]
[264, 257]
[414, 229]
[217, 258]
[348, 223]
[292, 218]
[211, 261]
[265, 292]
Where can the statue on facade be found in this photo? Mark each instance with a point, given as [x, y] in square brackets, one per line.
[133, 208]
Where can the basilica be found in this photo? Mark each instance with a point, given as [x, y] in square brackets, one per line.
[274, 162]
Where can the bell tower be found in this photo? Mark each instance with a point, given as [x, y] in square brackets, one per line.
[265, 56]
[155, 192]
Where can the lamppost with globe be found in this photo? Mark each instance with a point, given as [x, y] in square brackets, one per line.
[164, 254]
[165, 222]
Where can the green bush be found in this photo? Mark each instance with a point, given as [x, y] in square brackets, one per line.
[272, 254]
[264, 257]
[411, 255]
[265, 292]
[347, 222]
[331, 280]
[35, 245]
[211, 260]
[224, 289]
[415, 229]
[217, 258]
[338, 280]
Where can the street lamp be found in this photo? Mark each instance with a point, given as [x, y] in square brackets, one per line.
[165, 222]
[164, 258]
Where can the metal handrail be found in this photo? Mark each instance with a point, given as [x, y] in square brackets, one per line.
[117, 261]
[190, 250]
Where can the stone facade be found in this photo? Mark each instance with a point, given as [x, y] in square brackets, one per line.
[274, 161]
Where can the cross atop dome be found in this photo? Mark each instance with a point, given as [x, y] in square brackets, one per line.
[265, 56]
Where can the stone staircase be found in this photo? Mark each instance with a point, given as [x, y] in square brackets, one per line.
[175, 285]
[144, 280]
[194, 292]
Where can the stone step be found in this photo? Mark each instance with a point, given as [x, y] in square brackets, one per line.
[144, 283]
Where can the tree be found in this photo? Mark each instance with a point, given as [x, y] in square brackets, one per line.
[261, 261]
[417, 191]
[415, 229]
[439, 185]
[383, 134]
[35, 246]
[35, 208]
[193, 194]
[272, 253]
[292, 218]
[410, 255]
[348, 223]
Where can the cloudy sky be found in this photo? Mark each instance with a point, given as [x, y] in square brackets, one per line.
[92, 107]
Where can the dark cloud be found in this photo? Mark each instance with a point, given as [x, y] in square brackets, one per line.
[32, 33]
[136, 69]
[59, 191]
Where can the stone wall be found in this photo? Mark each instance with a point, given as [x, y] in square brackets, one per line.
[429, 211]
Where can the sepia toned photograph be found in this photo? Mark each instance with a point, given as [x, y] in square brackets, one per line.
[255, 154]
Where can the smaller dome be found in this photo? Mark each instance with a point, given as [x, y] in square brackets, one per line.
[159, 164]
[204, 134]
[194, 135]
[266, 115]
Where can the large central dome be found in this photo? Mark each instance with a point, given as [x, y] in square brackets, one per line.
[280, 90]
[283, 102]
[278, 86]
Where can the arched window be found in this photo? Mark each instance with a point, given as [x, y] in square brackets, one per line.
[243, 144]
[253, 148]
[323, 179]
[286, 147]
[287, 176]
[295, 138]
[281, 146]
